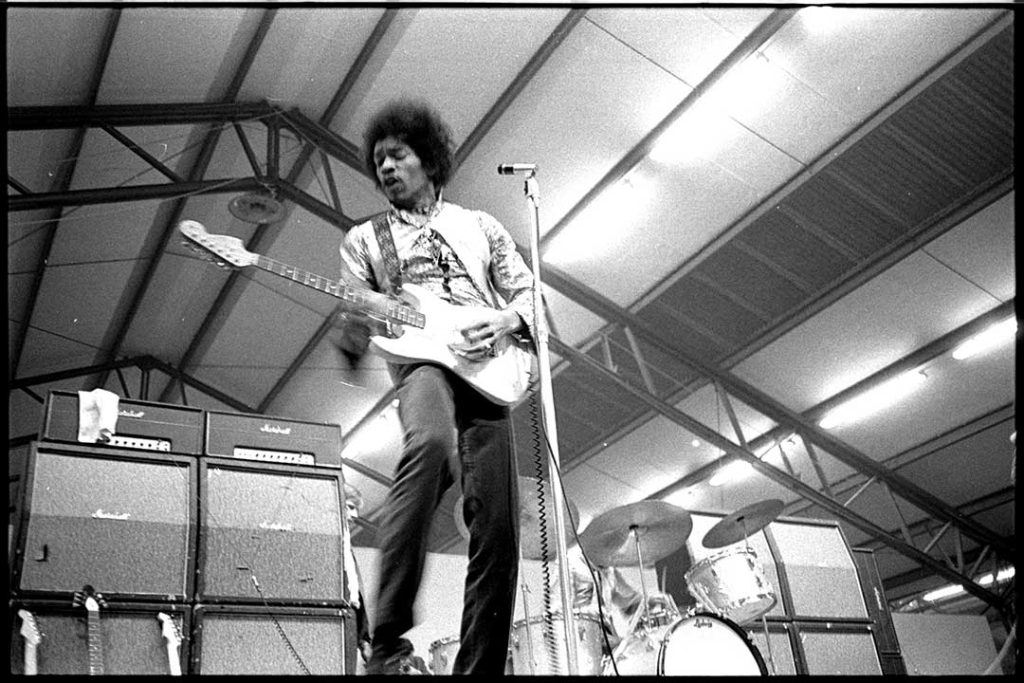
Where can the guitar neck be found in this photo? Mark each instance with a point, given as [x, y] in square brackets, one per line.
[371, 302]
[31, 660]
[95, 645]
[173, 659]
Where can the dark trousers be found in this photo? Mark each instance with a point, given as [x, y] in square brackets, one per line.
[450, 432]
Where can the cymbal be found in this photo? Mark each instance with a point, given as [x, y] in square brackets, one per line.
[662, 528]
[742, 523]
[529, 520]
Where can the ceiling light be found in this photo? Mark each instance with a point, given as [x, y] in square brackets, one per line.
[819, 19]
[731, 472]
[698, 132]
[951, 590]
[873, 400]
[755, 82]
[601, 224]
[996, 334]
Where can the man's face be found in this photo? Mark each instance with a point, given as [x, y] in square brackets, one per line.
[401, 174]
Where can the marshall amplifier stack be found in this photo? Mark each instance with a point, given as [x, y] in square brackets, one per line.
[183, 541]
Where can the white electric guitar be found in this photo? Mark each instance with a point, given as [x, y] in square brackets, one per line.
[425, 328]
[30, 632]
[173, 637]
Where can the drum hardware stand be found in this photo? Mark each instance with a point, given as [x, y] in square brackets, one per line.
[764, 620]
[532, 192]
[768, 643]
[526, 617]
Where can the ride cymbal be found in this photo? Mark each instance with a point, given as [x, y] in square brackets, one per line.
[659, 528]
[742, 523]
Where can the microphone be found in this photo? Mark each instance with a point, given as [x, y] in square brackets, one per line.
[509, 169]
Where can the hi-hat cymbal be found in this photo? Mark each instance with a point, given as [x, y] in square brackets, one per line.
[530, 544]
[742, 523]
[660, 528]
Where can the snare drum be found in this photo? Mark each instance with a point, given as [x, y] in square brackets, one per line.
[532, 656]
[731, 584]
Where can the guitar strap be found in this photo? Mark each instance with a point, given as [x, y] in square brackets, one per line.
[392, 269]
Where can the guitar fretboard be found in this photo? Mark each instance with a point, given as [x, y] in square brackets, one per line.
[95, 644]
[392, 309]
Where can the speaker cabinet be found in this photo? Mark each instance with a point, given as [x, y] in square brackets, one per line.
[819, 570]
[141, 425]
[270, 533]
[775, 646]
[273, 640]
[878, 607]
[121, 521]
[835, 649]
[54, 637]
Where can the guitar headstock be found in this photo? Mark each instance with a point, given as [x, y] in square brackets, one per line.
[169, 628]
[223, 250]
[29, 627]
[90, 599]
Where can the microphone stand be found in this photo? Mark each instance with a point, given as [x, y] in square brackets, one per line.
[532, 193]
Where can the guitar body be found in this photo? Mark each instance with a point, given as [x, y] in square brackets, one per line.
[503, 377]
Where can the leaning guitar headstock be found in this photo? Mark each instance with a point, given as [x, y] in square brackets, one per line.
[29, 628]
[89, 598]
[224, 250]
[172, 634]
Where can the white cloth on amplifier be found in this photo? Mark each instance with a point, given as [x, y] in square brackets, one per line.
[97, 415]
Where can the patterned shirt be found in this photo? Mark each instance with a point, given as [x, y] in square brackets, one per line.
[428, 260]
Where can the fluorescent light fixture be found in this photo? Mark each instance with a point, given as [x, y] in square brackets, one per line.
[731, 472]
[989, 338]
[820, 20]
[600, 225]
[753, 83]
[951, 590]
[873, 400]
[701, 130]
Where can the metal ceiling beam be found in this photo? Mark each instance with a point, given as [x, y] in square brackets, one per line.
[132, 115]
[63, 182]
[993, 30]
[320, 136]
[747, 47]
[49, 377]
[209, 390]
[525, 75]
[768, 406]
[197, 171]
[129, 193]
[709, 435]
[815, 413]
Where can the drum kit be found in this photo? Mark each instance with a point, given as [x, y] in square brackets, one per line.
[729, 587]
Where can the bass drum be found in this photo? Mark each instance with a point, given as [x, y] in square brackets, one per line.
[707, 645]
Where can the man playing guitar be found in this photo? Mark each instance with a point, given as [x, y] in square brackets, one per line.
[467, 259]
